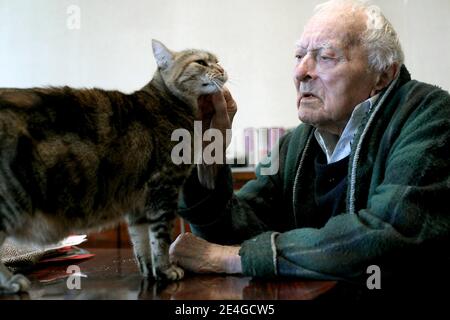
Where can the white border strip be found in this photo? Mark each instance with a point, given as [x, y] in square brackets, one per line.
[274, 251]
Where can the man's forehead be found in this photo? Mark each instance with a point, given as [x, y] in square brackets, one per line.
[330, 31]
[321, 39]
[311, 45]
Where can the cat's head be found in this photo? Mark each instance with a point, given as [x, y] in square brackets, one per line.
[189, 73]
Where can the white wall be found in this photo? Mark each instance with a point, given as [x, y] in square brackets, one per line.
[253, 38]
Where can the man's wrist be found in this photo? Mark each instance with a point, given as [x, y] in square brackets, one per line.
[232, 260]
[207, 174]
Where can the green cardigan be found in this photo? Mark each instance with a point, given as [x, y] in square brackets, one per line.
[397, 212]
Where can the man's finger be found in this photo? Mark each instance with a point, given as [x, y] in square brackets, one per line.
[219, 104]
[205, 105]
[231, 104]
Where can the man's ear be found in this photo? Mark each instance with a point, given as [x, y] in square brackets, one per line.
[163, 56]
[385, 78]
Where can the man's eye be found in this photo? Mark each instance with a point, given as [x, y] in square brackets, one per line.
[201, 62]
[325, 58]
[299, 56]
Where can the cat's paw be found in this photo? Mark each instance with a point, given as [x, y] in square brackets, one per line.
[17, 283]
[145, 267]
[172, 273]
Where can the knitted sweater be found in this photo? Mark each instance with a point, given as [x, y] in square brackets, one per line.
[397, 213]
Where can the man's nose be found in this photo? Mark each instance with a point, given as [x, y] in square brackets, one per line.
[305, 69]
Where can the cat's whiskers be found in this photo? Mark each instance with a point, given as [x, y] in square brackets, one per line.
[217, 81]
[216, 84]
[229, 81]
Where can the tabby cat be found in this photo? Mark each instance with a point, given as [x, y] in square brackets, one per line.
[73, 160]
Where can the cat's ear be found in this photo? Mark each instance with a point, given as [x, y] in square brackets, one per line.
[163, 56]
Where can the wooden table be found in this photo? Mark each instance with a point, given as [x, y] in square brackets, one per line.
[113, 274]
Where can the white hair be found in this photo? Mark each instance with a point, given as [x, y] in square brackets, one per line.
[379, 39]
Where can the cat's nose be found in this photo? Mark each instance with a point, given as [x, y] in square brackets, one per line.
[220, 69]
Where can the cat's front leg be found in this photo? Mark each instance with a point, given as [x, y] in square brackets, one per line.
[160, 238]
[139, 234]
[11, 283]
[160, 210]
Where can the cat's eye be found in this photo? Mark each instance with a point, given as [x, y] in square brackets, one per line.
[201, 62]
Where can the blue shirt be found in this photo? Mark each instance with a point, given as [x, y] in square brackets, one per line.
[337, 148]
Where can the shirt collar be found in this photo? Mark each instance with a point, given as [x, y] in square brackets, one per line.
[337, 148]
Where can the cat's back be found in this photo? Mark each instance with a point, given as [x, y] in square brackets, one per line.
[63, 141]
[44, 112]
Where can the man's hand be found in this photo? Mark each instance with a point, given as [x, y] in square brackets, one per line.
[216, 112]
[200, 256]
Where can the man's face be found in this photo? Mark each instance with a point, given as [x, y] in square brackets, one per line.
[331, 74]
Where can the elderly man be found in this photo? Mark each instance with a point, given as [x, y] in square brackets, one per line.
[364, 180]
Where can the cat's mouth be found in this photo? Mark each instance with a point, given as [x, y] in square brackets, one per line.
[213, 85]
